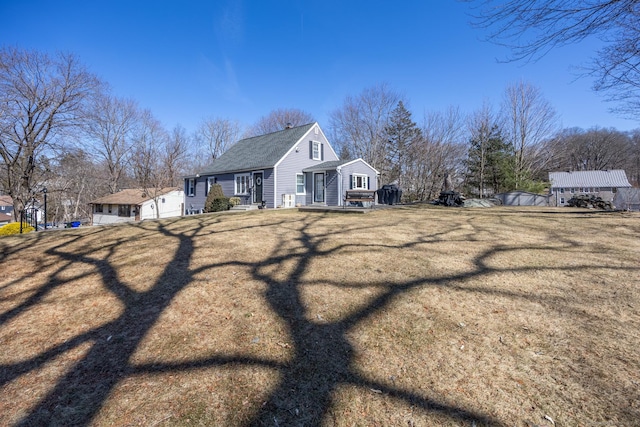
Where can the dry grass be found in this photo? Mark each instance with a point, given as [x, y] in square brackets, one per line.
[410, 316]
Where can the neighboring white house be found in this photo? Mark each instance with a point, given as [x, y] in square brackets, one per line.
[136, 204]
[604, 184]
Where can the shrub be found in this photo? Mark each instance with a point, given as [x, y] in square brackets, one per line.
[218, 204]
[234, 201]
[216, 200]
[215, 191]
[14, 228]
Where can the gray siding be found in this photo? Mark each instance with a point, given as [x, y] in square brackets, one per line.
[294, 162]
[332, 195]
[267, 188]
[560, 196]
[226, 182]
[195, 202]
[308, 198]
[359, 167]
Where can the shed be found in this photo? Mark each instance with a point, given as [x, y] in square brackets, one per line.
[627, 199]
[523, 198]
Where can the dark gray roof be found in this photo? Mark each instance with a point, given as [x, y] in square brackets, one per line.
[258, 152]
[575, 179]
[331, 165]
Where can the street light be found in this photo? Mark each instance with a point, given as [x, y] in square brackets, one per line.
[44, 190]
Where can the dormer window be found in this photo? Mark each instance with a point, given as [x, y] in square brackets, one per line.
[316, 150]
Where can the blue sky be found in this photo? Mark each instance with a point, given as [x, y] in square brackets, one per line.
[186, 60]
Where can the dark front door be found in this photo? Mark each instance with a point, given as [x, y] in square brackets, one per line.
[318, 188]
[257, 187]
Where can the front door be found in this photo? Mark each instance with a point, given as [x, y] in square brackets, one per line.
[257, 187]
[318, 188]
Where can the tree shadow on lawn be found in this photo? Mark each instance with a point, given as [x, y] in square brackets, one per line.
[323, 357]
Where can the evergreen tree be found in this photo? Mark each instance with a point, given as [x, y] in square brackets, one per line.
[401, 134]
[488, 162]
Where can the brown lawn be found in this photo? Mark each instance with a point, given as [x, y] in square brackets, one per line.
[411, 316]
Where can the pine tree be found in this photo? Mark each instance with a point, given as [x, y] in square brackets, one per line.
[401, 134]
[488, 162]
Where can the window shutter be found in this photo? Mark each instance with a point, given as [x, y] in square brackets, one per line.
[195, 185]
[322, 152]
[350, 182]
[368, 183]
[311, 149]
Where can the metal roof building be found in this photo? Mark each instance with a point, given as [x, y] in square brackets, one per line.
[601, 183]
[576, 179]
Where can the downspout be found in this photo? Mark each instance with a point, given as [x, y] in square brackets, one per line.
[340, 197]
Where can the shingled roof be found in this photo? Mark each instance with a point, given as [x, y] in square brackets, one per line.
[602, 178]
[258, 152]
[130, 196]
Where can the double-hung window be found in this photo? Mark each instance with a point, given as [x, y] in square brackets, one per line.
[316, 155]
[300, 187]
[242, 184]
[191, 187]
[359, 182]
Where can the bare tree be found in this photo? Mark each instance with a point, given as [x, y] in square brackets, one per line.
[173, 155]
[74, 183]
[217, 135]
[278, 120]
[440, 151]
[158, 157]
[358, 127]
[41, 99]
[112, 122]
[594, 149]
[529, 120]
[531, 29]
[633, 161]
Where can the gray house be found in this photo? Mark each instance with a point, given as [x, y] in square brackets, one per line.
[600, 183]
[293, 167]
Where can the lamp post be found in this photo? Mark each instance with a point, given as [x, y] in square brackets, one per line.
[44, 190]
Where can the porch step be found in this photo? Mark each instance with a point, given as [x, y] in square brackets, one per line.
[244, 207]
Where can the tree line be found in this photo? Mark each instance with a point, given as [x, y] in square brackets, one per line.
[62, 129]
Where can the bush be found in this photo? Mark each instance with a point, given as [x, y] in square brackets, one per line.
[234, 201]
[215, 192]
[14, 228]
[218, 204]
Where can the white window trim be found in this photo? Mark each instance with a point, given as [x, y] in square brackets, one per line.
[304, 183]
[238, 187]
[316, 144]
[354, 180]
